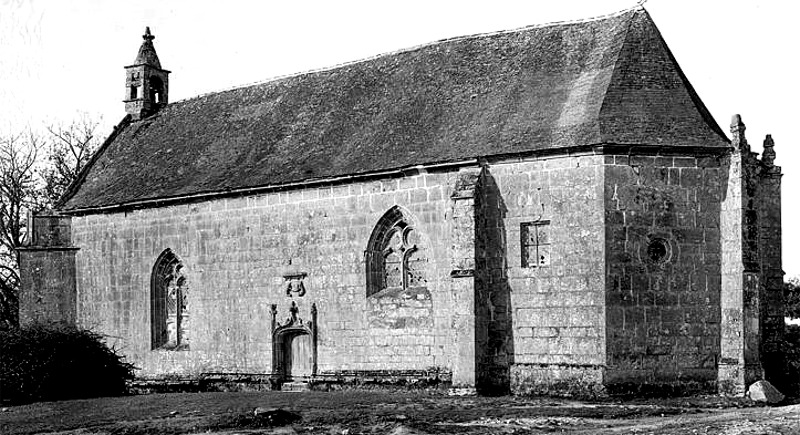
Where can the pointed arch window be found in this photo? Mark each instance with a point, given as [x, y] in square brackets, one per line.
[395, 255]
[169, 295]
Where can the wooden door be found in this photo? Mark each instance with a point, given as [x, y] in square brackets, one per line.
[298, 358]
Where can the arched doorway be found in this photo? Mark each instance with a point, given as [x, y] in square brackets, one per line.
[294, 348]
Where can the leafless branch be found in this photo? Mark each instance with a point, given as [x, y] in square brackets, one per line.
[35, 171]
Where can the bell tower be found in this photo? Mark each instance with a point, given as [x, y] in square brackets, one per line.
[146, 83]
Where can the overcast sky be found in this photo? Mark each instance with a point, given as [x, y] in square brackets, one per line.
[59, 59]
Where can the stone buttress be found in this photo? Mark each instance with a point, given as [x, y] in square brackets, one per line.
[48, 292]
[751, 299]
[470, 327]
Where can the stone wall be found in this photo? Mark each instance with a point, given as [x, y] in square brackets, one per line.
[663, 261]
[235, 253]
[484, 316]
[585, 273]
[547, 319]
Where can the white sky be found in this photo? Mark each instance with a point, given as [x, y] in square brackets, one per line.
[59, 59]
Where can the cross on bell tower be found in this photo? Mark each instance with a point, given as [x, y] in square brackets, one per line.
[146, 83]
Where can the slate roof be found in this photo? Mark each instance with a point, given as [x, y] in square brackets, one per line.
[604, 81]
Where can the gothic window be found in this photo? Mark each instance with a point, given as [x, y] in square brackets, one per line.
[169, 294]
[395, 257]
[535, 244]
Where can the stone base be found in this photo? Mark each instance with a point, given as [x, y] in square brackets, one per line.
[383, 380]
[295, 387]
[462, 391]
[730, 379]
[557, 380]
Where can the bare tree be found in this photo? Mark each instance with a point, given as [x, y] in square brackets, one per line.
[35, 171]
[18, 196]
[70, 150]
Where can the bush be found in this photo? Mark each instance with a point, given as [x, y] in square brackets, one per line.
[788, 380]
[57, 362]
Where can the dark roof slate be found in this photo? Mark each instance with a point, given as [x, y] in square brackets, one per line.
[604, 81]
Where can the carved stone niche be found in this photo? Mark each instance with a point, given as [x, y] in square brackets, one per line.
[294, 349]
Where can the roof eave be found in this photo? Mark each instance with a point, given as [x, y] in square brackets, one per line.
[597, 149]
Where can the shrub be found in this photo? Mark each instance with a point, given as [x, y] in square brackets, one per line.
[787, 378]
[57, 362]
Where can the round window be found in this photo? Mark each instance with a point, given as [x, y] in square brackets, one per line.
[658, 251]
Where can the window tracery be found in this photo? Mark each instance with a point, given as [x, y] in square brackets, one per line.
[395, 258]
[169, 297]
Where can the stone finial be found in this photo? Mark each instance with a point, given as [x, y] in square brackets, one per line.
[768, 158]
[147, 51]
[738, 140]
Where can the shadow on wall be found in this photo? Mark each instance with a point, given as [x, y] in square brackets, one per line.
[493, 298]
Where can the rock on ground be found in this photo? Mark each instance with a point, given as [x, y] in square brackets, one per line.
[405, 430]
[275, 416]
[763, 391]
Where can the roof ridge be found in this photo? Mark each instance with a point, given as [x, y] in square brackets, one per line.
[636, 7]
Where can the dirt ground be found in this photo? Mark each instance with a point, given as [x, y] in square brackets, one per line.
[359, 412]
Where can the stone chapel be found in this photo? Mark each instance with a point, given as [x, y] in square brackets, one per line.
[550, 209]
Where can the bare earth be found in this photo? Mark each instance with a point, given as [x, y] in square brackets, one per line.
[359, 412]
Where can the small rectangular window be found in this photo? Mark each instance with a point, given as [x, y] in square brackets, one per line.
[535, 243]
[134, 92]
